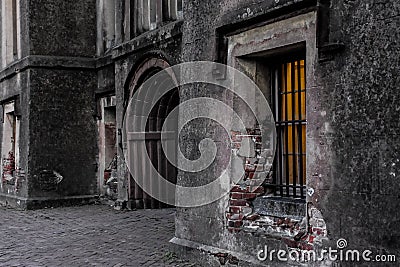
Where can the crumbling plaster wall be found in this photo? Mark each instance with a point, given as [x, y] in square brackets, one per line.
[62, 28]
[353, 141]
[358, 191]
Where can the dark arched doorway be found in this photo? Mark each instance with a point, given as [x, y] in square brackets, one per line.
[138, 198]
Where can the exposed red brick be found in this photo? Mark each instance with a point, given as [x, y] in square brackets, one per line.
[234, 224]
[235, 216]
[238, 202]
[8, 166]
[305, 237]
[318, 231]
[237, 195]
[251, 175]
[249, 195]
[107, 175]
[253, 217]
[235, 210]
[239, 189]
[250, 168]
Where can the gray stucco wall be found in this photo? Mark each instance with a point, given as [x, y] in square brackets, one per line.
[62, 112]
[359, 91]
[352, 140]
[353, 108]
[62, 28]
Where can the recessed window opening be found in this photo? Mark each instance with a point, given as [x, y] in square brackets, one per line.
[289, 106]
[10, 153]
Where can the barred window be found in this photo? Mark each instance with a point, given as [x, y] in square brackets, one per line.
[290, 116]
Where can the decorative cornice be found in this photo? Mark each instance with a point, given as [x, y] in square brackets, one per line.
[47, 62]
[147, 39]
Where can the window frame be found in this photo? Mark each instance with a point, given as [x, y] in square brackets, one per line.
[285, 184]
[10, 31]
[147, 15]
[275, 40]
[13, 144]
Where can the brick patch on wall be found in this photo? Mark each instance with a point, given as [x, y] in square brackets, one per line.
[295, 233]
[9, 168]
[256, 165]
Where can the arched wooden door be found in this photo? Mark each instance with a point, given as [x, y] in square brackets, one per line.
[138, 198]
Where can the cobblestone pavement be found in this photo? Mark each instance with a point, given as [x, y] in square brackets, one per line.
[93, 235]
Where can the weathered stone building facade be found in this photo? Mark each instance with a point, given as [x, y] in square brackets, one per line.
[329, 70]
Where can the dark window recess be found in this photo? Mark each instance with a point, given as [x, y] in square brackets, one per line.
[151, 14]
[14, 25]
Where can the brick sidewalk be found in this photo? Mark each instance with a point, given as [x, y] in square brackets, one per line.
[93, 235]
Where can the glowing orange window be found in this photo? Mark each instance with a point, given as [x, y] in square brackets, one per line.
[290, 115]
